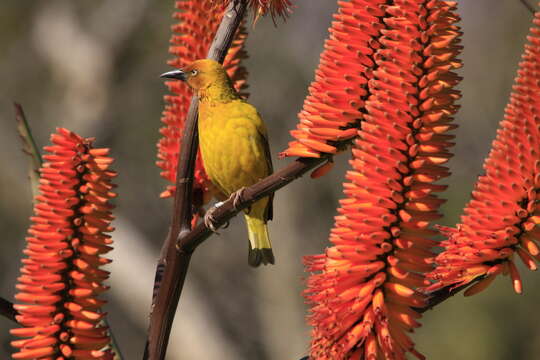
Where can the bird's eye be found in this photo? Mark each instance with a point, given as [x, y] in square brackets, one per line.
[194, 72]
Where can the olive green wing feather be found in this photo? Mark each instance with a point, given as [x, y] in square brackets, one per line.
[263, 134]
[269, 214]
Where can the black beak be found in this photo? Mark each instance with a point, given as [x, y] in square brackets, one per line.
[175, 74]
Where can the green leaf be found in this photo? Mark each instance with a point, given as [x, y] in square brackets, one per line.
[29, 147]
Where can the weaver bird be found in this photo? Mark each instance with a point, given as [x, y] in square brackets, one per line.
[234, 147]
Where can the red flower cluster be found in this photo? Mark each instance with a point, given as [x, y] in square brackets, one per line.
[61, 279]
[365, 288]
[198, 22]
[500, 220]
[333, 109]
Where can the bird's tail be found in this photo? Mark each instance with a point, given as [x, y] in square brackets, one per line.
[260, 248]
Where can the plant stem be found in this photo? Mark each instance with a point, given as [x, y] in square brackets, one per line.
[7, 310]
[441, 295]
[173, 264]
[29, 147]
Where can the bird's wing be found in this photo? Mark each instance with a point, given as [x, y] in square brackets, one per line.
[261, 131]
[269, 215]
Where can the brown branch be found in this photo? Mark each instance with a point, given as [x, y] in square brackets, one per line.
[7, 310]
[189, 241]
[528, 6]
[173, 264]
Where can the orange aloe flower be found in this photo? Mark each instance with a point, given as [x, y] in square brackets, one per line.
[334, 107]
[61, 279]
[499, 224]
[364, 289]
[198, 22]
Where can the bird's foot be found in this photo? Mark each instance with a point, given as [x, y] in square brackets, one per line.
[238, 197]
[209, 219]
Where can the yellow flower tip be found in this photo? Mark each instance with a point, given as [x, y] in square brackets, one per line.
[516, 278]
[166, 194]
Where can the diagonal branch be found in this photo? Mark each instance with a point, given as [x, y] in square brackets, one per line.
[7, 310]
[188, 242]
[173, 264]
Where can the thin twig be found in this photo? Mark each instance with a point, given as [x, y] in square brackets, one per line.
[528, 6]
[173, 264]
[7, 310]
[29, 147]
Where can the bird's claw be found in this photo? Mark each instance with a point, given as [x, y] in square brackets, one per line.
[209, 219]
[238, 197]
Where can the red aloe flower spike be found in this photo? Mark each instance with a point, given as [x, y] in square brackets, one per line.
[334, 107]
[364, 291]
[61, 279]
[198, 22]
[500, 220]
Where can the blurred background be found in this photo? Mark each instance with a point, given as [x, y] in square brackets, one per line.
[93, 67]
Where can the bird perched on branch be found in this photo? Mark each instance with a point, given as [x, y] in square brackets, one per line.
[234, 147]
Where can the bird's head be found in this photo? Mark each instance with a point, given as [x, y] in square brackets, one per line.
[200, 74]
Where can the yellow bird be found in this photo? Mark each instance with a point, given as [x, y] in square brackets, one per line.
[234, 146]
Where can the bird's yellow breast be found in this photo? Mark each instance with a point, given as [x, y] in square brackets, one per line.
[232, 138]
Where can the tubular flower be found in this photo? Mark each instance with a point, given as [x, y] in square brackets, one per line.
[61, 278]
[499, 224]
[198, 22]
[365, 287]
[334, 107]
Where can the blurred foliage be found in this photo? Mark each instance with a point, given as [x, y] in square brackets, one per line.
[93, 66]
